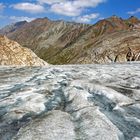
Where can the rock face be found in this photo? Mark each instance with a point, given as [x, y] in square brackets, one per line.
[119, 46]
[58, 42]
[11, 53]
[11, 28]
[87, 102]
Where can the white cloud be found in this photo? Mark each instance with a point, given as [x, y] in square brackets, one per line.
[50, 1]
[134, 12]
[66, 8]
[2, 6]
[70, 7]
[22, 18]
[29, 7]
[87, 3]
[86, 18]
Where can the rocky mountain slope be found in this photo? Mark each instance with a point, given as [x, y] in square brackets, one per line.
[81, 102]
[11, 28]
[11, 53]
[110, 40]
[119, 46]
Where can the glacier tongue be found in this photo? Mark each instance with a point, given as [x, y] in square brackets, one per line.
[82, 102]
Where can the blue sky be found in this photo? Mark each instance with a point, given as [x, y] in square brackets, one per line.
[83, 11]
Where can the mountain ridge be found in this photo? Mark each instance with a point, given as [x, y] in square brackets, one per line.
[60, 42]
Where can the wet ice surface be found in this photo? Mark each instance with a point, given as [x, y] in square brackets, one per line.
[83, 102]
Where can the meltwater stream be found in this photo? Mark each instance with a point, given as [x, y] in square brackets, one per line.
[81, 102]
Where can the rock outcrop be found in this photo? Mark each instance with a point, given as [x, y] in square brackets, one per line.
[60, 42]
[11, 53]
[83, 102]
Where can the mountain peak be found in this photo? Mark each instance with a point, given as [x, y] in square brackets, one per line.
[41, 19]
[11, 28]
[133, 18]
[114, 16]
[20, 23]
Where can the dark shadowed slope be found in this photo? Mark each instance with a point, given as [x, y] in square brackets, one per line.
[13, 27]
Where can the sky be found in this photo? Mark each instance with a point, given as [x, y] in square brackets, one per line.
[81, 11]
